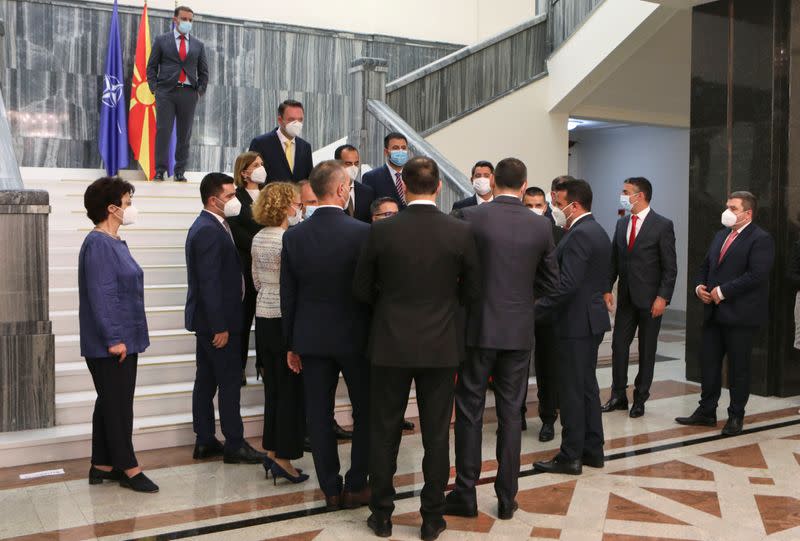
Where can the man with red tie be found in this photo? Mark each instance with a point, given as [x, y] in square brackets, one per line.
[733, 283]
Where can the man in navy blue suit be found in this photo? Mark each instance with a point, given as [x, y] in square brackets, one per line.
[387, 180]
[733, 283]
[286, 156]
[214, 314]
[326, 329]
[361, 195]
[482, 177]
[584, 257]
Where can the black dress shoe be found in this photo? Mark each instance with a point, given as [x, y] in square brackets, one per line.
[208, 451]
[455, 505]
[138, 483]
[697, 419]
[180, 177]
[614, 404]
[96, 477]
[382, 527]
[431, 528]
[408, 425]
[243, 455]
[354, 500]
[333, 503]
[637, 410]
[160, 176]
[559, 465]
[307, 444]
[593, 461]
[244, 379]
[733, 427]
[505, 511]
[524, 424]
[547, 432]
[341, 433]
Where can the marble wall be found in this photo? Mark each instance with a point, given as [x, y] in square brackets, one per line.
[55, 54]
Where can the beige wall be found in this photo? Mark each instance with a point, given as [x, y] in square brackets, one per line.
[516, 126]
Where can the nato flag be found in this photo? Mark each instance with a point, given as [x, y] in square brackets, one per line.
[113, 113]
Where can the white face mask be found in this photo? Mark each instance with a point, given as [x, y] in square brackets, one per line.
[294, 128]
[259, 175]
[540, 212]
[559, 217]
[567, 218]
[296, 219]
[729, 218]
[625, 202]
[232, 208]
[129, 215]
[352, 171]
[482, 185]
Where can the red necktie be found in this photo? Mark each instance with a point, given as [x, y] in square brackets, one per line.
[182, 54]
[727, 245]
[398, 184]
[632, 238]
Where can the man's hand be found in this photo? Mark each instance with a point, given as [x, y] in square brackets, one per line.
[119, 350]
[715, 296]
[705, 296]
[659, 305]
[294, 362]
[608, 298]
[220, 340]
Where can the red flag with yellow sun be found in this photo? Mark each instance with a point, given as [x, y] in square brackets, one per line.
[142, 111]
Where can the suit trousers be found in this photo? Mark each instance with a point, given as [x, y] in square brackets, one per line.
[320, 378]
[579, 398]
[284, 409]
[112, 421]
[627, 319]
[174, 107]
[218, 369]
[248, 311]
[390, 388]
[737, 343]
[509, 370]
[545, 362]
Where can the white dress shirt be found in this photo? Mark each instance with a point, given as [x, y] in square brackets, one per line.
[178, 40]
[717, 289]
[422, 202]
[481, 200]
[578, 219]
[641, 215]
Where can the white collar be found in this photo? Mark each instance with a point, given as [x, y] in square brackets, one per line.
[512, 196]
[337, 207]
[178, 34]
[578, 219]
[283, 138]
[422, 202]
[392, 171]
[643, 213]
[217, 216]
[739, 231]
[481, 200]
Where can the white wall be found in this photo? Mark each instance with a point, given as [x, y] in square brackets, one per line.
[606, 157]
[452, 21]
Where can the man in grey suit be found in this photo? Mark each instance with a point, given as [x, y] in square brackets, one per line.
[517, 254]
[177, 74]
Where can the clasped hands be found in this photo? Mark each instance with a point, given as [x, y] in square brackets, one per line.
[706, 296]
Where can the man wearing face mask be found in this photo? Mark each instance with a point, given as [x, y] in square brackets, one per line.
[387, 181]
[553, 213]
[482, 177]
[733, 283]
[361, 195]
[286, 155]
[214, 313]
[643, 257]
[177, 73]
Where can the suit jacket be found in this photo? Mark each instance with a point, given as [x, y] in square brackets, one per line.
[244, 228]
[583, 255]
[214, 296]
[471, 201]
[742, 276]
[516, 250]
[416, 268]
[274, 156]
[364, 198]
[165, 64]
[321, 317]
[382, 182]
[650, 269]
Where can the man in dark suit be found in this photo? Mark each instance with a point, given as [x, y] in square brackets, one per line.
[416, 268]
[517, 256]
[286, 156]
[482, 177]
[583, 255]
[361, 195]
[545, 353]
[177, 73]
[643, 257]
[326, 329]
[387, 180]
[733, 283]
[214, 314]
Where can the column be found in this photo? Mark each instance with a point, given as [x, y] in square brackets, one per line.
[369, 83]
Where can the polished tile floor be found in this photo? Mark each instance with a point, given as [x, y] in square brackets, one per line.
[661, 482]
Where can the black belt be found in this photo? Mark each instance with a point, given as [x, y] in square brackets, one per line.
[183, 85]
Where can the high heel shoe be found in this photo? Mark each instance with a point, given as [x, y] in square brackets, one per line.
[268, 462]
[277, 471]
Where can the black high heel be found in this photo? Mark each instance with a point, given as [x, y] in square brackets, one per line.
[268, 462]
[277, 471]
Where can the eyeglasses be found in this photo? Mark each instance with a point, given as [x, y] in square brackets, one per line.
[388, 214]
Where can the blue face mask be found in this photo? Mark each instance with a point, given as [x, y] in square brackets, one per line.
[310, 210]
[184, 27]
[398, 157]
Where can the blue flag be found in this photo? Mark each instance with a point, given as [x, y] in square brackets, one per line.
[113, 113]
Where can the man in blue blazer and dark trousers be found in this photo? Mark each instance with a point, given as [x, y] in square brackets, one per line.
[733, 283]
[214, 314]
[286, 156]
[584, 255]
[387, 180]
[177, 73]
[326, 329]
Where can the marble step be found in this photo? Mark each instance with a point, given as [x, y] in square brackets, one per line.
[159, 318]
[153, 219]
[67, 256]
[62, 277]
[66, 298]
[135, 236]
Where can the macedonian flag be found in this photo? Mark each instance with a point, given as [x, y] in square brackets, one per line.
[142, 112]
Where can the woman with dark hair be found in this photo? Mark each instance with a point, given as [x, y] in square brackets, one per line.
[248, 175]
[113, 331]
